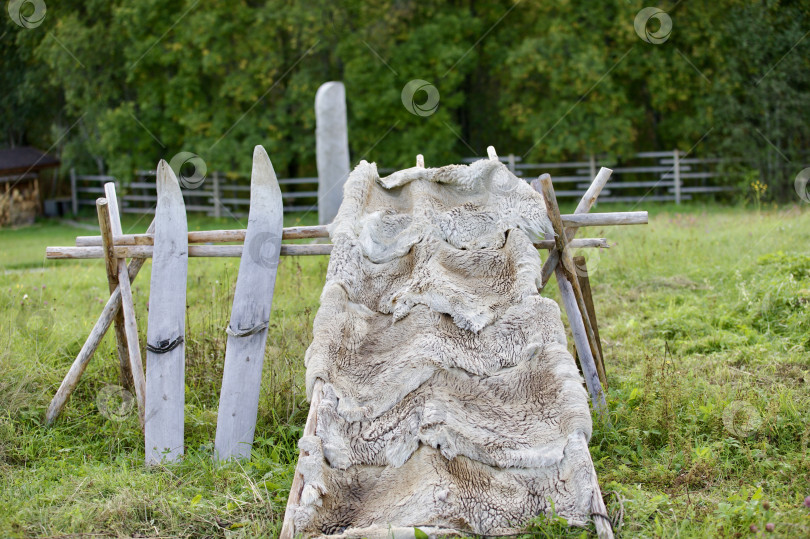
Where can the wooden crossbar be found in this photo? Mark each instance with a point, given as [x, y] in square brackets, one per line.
[574, 220]
[230, 251]
[138, 247]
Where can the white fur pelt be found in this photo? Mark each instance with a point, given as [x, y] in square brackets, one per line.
[450, 401]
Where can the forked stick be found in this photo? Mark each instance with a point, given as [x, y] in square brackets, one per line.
[91, 344]
[567, 270]
[125, 370]
[576, 312]
[127, 307]
[584, 206]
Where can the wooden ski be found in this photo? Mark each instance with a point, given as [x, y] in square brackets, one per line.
[165, 349]
[253, 298]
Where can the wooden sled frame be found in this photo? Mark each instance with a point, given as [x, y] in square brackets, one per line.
[115, 247]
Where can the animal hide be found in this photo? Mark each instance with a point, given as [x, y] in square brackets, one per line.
[450, 401]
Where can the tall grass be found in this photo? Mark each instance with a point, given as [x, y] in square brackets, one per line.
[705, 319]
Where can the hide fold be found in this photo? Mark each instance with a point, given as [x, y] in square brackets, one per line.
[450, 401]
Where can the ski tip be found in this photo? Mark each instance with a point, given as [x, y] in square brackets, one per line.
[166, 180]
[263, 172]
[260, 153]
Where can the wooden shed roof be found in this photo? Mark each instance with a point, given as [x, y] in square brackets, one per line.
[23, 159]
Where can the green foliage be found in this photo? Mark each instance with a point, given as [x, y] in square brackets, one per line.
[118, 84]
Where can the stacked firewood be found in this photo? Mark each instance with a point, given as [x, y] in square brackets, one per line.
[19, 204]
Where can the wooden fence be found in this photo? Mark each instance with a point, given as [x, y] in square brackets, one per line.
[646, 176]
[216, 196]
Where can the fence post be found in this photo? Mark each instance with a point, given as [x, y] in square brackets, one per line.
[677, 168]
[217, 196]
[592, 166]
[511, 162]
[74, 199]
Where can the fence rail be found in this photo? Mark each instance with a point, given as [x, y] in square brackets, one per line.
[645, 176]
[216, 196]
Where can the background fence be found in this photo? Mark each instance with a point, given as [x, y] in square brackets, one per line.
[646, 176]
[217, 195]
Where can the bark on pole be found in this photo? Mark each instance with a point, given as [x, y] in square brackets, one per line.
[250, 315]
[584, 206]
[91, 344]
[571, 221]
[125, 371]
[140, 252]
[331, 147]
[165, 347]
[576, 318]
[127, 307]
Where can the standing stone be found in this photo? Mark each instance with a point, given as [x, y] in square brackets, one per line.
[332, 148]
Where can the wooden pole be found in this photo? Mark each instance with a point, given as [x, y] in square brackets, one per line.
[217, 196]
[235, 251]
[585, 284]
[566, 267]
[125, 370]
[127, 307]
[586, 360]
[676, 161]
[590, 196]
[207, 236]
[571, 221]
[288, 528]
[100, 328]
[584, 206]
[572, 299]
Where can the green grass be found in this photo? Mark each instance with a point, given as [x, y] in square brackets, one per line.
[705, 321]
